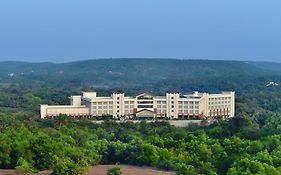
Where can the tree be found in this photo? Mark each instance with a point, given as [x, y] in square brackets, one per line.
[247, 166]
[183, 169]
[61, 120]
[65, 166]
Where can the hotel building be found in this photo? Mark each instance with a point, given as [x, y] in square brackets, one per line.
[173, 105]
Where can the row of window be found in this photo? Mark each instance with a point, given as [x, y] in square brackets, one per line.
[181, 111]
[219, 113]
[188, 102]
[180, 106]
[110, 107]
[219, 98]
[158, 106]
[127, 106]
[129, 102]
[188, 111]
[180, 102]
[219, 106]
[102, 107]
[100, 112]
[161, 102]
[102, 103]
[188, 107]
[220, 102]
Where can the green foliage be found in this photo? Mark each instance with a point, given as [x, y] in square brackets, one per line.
[246, 166]
[65, 166]
[24, 166]
[71, 147]
[250, 143]
[183, 169]
[115, 171]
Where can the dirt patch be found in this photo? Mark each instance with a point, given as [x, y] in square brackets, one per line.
[13, 172]
[102, 170]
[129, 170]
[7, 172]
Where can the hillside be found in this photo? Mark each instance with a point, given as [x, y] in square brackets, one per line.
[136, 73]
[269, 66]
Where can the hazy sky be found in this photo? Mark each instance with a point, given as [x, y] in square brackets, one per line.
[67, 30]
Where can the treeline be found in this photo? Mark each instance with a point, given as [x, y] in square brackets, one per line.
[247, 144]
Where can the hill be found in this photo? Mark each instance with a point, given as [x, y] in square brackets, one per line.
[269, 66]
[147, 74]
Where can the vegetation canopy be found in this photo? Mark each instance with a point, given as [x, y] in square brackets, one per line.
[249, 143]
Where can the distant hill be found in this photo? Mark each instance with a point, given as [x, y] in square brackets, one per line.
[137, 73]
[270, 66]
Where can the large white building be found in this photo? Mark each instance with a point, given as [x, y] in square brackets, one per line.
[173, 105]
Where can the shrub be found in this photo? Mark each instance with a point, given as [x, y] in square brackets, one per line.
[114, 171]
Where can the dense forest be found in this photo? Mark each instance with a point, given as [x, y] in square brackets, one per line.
[249, 143]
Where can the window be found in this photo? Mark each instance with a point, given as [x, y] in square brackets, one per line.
[145, 106]
[172, 102]
[172, 97]
[117, 106]
[145, 102]
[117, 98]
[145, 97]
[172, 110]
[172, 106]
[117, 110]
[117, 102]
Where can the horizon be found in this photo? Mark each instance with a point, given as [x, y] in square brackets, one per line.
[67, 31]
[94, 59]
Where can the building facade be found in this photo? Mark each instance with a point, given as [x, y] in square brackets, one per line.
[173, 106]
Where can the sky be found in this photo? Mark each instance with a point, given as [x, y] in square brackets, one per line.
[68, 30]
